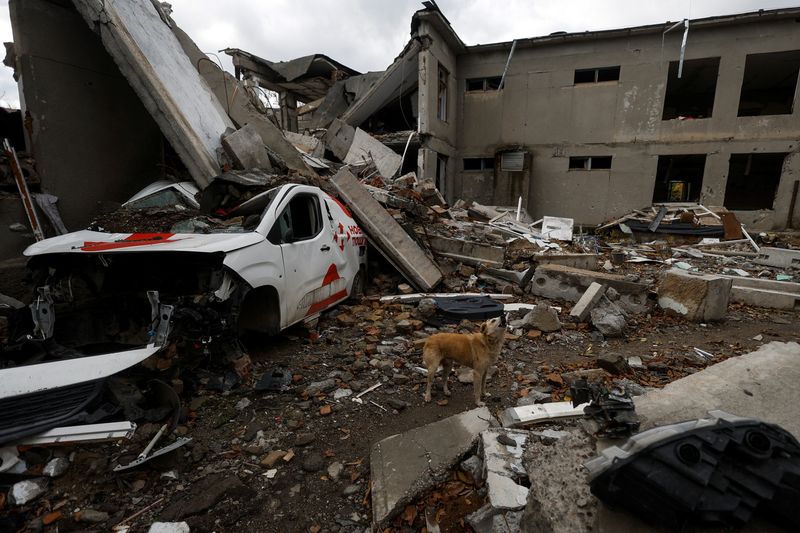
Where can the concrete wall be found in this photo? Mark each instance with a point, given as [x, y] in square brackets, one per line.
[439, 136]
[92, 138]
[541, 108]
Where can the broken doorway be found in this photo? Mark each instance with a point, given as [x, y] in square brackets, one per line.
[679, 178]
[769, 84]
[753, 181]
[441, 173]
[692, 95]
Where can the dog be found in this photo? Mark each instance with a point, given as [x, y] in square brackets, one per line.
[478, 351]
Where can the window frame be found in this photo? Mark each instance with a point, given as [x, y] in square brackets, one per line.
[588, 166]
[443, 84]
[596, 75]
[482, 164]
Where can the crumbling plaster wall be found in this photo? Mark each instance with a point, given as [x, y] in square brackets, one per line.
[91, 137]
[540, 107]
[437, 136]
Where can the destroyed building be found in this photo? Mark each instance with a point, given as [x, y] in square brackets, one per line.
[594, 124]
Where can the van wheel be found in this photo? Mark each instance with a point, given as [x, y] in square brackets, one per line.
[357, 292]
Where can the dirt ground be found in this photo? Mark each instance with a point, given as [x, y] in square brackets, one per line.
[298, 460]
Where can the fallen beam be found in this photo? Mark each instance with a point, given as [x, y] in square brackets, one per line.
[386, 234]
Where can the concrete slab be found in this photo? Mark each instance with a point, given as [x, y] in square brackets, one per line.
[567, 283]
[467, 251]
[696, 297]
[386, 234]
[503, 463]
[764, 384]
[584, 261]
[355, 146]
[778, 258]
[150, 57]
[409, 463]
[765, 298]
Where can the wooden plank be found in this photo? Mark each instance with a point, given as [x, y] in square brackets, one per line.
[387, 235]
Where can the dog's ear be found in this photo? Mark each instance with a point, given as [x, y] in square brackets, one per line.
[483, 327]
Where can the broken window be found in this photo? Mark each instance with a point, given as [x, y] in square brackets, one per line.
[753, 180]
[441, 172]
[769, 84]
[300, 220]
[679, 178]
[441, 101]
[596, 75]
[478, 163]
[484, 84]
[692, 95]
[590, 162]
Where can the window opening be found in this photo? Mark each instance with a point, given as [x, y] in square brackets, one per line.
[596, 75]
[441, 102]
[692, 95]
[590, 162]
[300, 220]
[769, 84]
[679, 178]
[484, 84]
[478, 163]
[753, 181]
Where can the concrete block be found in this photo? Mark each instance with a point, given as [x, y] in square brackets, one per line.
[700, 298]
[246, 149]
[765, 298]
[467, 251]
[567, 283]
[407, 464]
[587, 301]
[584, 261]
[354, 146]
[778, 258]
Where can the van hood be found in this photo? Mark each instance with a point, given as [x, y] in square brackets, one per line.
[97, 242]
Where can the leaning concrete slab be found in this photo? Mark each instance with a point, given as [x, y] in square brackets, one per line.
[696, 297]
[567, 283]
[237, 102]
[152, 60]
[386, 234]
[409, 463]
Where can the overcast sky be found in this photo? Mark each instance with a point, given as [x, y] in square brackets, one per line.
[367, 34]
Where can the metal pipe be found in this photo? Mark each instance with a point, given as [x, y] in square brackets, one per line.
[508, 62]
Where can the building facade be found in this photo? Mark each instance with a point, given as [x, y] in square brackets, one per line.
[593, 125]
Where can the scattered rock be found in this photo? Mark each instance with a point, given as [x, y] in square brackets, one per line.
[342, 393]
[608, 321]
[303, 439]
[169, 527]
[335, 470]
[318, 387]
[427, 307]
[272, 457]
[542, 317]
[396, 403]
[56, 467]
[533, 397]
[350, 490]
[28, 490]
[613, 363]
[205, 494]
[243, 404]
[313, 463]
[91, 516]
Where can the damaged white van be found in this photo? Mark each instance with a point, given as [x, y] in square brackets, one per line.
[106, 300]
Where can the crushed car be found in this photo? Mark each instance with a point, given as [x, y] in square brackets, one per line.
[195, 268]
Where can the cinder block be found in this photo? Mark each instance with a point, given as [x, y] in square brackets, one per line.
[567, 283]
[697, 297]
[588, 301]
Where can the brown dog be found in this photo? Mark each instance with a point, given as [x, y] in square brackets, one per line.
[476, 350]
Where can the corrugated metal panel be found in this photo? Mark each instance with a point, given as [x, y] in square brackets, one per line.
[512, 161]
